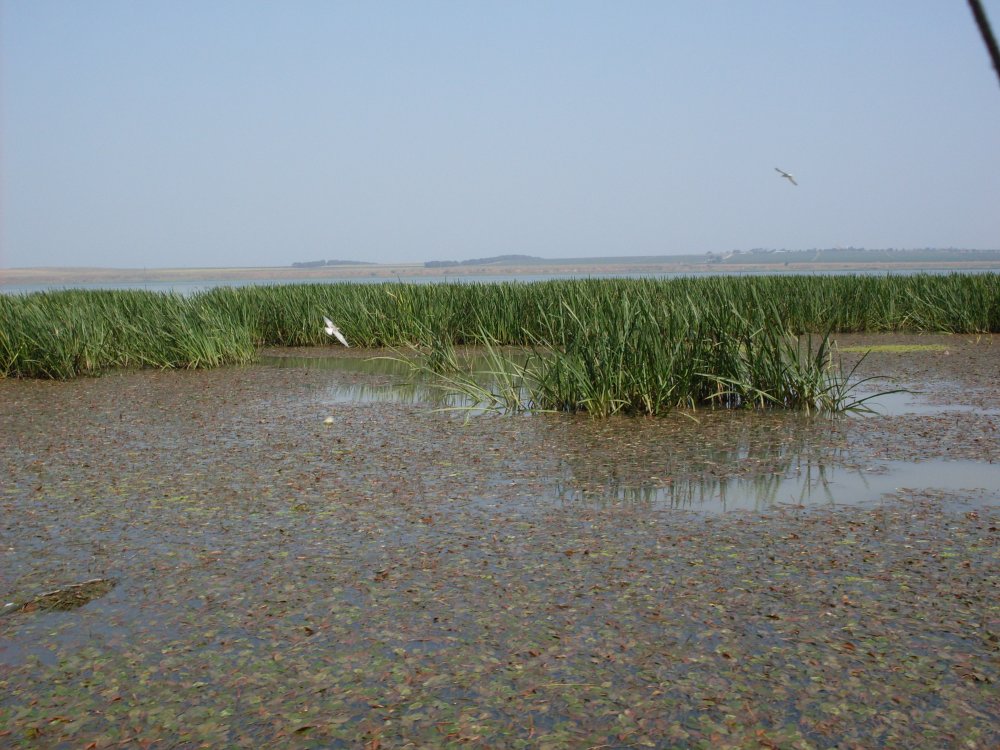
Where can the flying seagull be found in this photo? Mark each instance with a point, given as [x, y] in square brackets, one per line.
[332, 330]
[783, 173]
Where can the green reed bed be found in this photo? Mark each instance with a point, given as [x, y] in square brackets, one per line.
[596, 345]
[68, 333]
[655, 362]
[375, 315]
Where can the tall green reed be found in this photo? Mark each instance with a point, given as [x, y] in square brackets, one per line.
[615, 344]
[634, 355]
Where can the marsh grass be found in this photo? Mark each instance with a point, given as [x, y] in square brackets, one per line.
[494, 379]
[64, 334]
[642, 369]
[603, 346]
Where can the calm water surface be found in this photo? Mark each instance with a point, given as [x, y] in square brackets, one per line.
[201, 285]
[796, 476]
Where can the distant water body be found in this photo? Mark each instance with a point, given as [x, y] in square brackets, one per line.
[199, 285]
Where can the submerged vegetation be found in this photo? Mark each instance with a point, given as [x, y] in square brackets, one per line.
[596, 345]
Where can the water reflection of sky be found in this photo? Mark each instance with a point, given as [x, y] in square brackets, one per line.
[814, 485]
[916, 403]
[392, 381]
[755, 464]
[402, 384]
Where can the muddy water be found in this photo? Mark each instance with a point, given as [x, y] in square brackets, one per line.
[778, 451]
[412, 577]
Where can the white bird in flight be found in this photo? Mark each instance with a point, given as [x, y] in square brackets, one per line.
[787, 176]
[332, 330]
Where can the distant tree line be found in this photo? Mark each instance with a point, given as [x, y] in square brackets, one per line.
[321, 263]
[496, 259]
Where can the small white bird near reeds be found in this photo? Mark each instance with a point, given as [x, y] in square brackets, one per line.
[332, 330]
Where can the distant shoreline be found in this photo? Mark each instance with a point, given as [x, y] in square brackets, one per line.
[55, 276]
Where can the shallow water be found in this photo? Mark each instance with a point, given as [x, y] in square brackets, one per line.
[920, 403]
[390, 380]
[410, 575]
[395, 381]
[792, 478]
[814, 485]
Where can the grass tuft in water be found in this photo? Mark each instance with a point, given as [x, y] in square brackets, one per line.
[603, 346]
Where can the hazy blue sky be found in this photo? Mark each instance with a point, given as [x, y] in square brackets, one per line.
[201, 132]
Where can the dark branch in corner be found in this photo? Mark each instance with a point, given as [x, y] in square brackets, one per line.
[984, 28]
